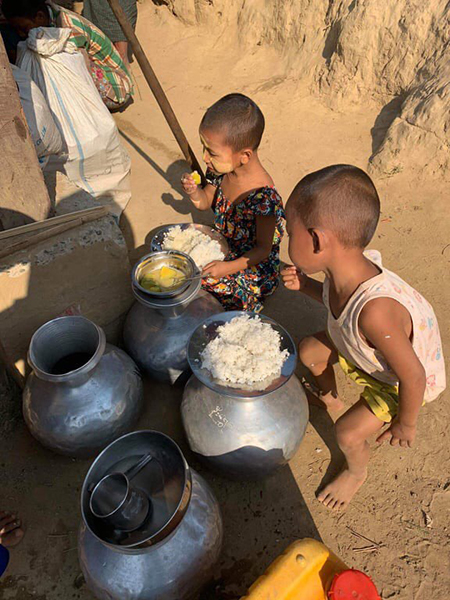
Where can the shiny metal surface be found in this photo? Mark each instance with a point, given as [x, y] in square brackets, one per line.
[166, 481]
[174, 566]
[134, 470]
[165, 258]
[158, 238]
[175, 569]
[169, 307]
[79, 412]
[207, 331]
[245, 437]
[157, 331]
[119, 503]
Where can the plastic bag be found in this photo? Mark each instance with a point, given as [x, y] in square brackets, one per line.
[96, 162]
[44, 133]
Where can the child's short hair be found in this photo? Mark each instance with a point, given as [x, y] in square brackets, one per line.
[240, 118]
[23, 8]
[341, 197]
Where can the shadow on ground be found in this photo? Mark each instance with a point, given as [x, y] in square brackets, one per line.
[259, 521]
[176, 199]
[385, 118]
[261, 518]
[172, 175]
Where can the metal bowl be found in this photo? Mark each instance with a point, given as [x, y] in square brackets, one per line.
[158, 239]
[207, 331]
[165, 480]
[165, 258]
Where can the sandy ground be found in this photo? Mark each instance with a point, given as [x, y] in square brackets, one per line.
[403, 510]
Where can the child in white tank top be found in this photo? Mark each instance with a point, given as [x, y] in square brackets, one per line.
[381, 331]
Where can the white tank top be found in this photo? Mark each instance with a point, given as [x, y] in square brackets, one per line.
[426, 339]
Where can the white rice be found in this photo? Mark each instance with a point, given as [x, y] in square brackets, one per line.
[246, 351]
[200, 247]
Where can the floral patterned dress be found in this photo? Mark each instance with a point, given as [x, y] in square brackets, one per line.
[246, 290]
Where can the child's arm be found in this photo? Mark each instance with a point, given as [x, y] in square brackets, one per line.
[296, 281]
[387, 326]
[265, 229]
[201, 198]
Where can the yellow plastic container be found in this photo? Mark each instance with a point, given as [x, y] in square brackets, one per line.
[304, 572]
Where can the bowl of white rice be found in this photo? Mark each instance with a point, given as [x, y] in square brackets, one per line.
[201, 242]
[242, 354]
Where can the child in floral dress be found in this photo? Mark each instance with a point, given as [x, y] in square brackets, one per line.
[248, 210]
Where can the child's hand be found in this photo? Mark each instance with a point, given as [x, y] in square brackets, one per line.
[293, 279]
[398, 434]
[188, 183]
[216, 269]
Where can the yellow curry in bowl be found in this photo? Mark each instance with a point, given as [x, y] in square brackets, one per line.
[163, 279]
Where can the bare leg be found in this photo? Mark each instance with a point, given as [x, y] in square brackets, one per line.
[11, 532]
[318, 355]
[352, 431]
[122, 49]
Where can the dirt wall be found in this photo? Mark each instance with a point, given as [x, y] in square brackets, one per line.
[352, 52]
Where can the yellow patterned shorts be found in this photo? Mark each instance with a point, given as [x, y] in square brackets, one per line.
[382, 398]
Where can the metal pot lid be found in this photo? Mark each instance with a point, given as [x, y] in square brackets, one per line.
[207, 331]
[158, 239]
[166, 480]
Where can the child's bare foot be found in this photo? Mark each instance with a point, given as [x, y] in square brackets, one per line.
[317, 398]
[11, 532]
[338, 494]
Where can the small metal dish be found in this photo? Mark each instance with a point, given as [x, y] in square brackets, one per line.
[117, 502]
[165, 258]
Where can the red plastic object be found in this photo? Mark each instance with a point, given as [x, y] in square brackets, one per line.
[353, 585]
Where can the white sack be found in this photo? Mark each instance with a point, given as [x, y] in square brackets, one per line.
[97, 162]
[44, 133]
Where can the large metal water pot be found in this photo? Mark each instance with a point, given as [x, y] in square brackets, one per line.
[172, 555]
[83, 393]
[158, 328]
[245, 433]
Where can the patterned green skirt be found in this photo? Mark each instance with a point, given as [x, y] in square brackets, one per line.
[100, 14]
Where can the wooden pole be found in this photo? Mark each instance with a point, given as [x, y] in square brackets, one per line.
[155, 86]
[89, 213]
[40, 236]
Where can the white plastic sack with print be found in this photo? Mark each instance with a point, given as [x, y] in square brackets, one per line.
[96, 162]
[44, 133]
